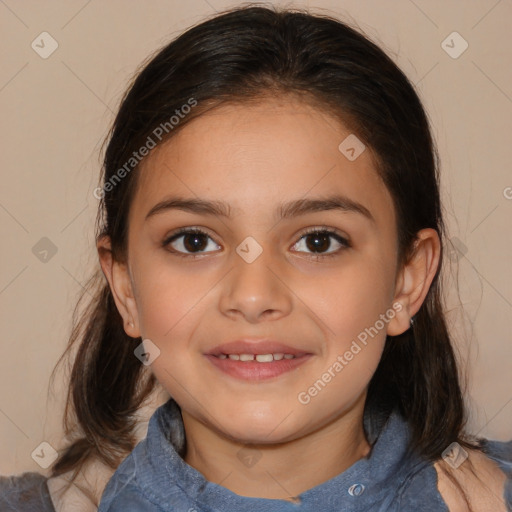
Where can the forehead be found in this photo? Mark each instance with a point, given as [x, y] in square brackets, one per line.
[257, 155]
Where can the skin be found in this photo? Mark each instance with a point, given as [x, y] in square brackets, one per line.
[481, 479]
[254, 157]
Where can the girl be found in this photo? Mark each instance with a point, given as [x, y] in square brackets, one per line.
[271, 239]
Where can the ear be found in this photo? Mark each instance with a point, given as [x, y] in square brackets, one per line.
[120, 282]
[414, 280]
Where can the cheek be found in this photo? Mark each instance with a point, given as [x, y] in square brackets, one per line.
[171, 306]
[352, 298]
[169, 299]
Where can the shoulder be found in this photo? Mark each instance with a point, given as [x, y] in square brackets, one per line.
[134, 486]
[27, 492]
[484, 478]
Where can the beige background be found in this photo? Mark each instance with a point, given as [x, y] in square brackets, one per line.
[55, 113]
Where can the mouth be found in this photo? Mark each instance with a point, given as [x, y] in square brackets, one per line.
[256, 360]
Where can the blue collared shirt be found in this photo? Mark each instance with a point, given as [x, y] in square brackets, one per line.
[155, 478]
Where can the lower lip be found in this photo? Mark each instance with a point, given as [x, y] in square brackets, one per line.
[253, 370]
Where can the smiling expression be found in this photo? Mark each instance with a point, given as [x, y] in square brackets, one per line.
[295, 244]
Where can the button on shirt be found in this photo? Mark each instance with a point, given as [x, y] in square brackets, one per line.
[154, 477]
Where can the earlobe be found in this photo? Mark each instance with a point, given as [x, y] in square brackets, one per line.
[415, 279]
[120, 285]
[402, 319]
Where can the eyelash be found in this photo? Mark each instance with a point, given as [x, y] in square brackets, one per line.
[318, 230]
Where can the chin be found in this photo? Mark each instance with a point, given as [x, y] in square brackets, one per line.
[257, 427]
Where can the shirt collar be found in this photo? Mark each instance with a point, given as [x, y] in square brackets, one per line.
[367, 481]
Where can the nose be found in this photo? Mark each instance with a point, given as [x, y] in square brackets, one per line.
[256, 291]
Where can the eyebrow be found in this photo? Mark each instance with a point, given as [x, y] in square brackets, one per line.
[283, 211]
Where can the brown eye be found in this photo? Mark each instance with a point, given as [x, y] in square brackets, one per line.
[189, 241]
[321, 241]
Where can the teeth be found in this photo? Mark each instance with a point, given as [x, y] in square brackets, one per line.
[261, 358]
[265, 358]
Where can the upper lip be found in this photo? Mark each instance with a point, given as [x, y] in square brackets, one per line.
[255, 346]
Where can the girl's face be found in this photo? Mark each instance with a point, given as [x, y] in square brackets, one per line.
[257, 275]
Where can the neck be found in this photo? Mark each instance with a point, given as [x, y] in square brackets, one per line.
[277, 471]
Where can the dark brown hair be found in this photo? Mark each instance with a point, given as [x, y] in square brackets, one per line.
[242, 55]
